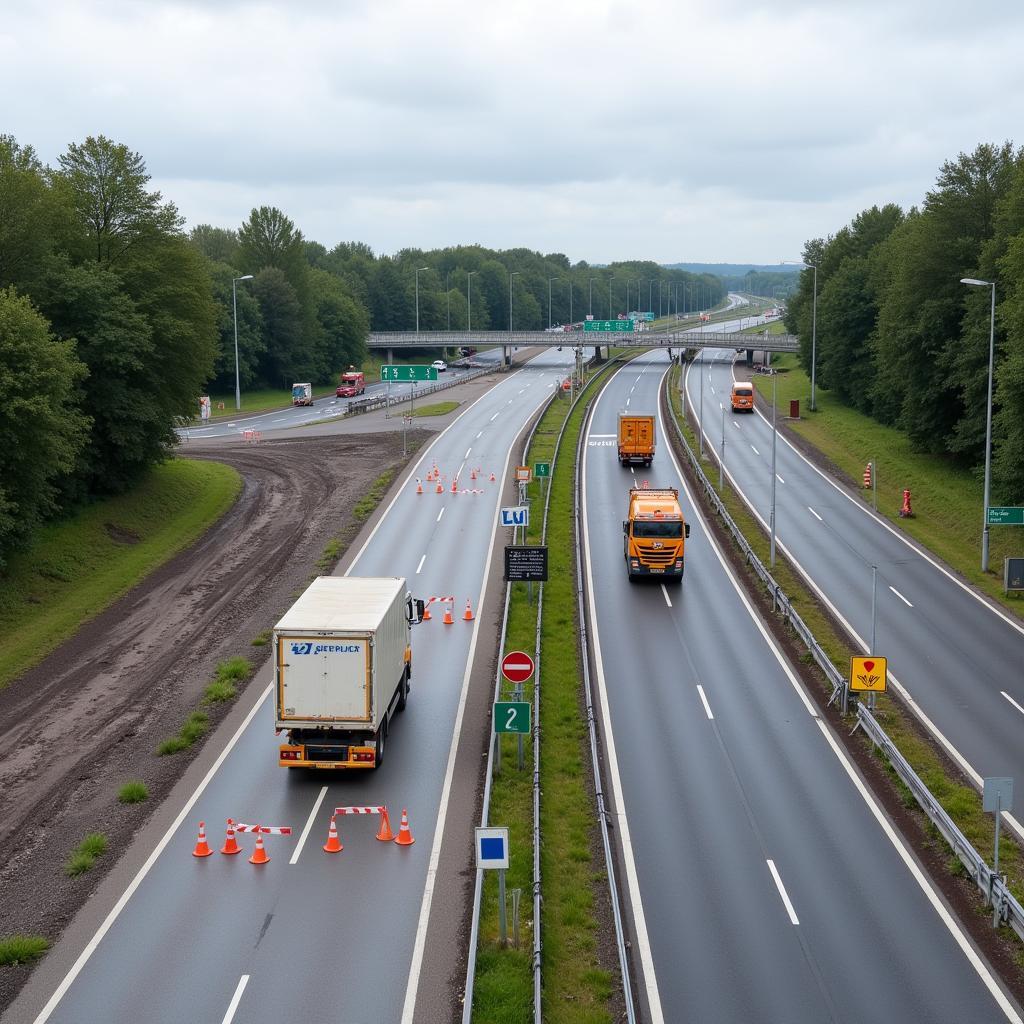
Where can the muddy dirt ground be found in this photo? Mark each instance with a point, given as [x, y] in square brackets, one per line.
[74, 729]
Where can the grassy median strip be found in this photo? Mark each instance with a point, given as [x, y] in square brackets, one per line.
[576, 988]
[960, 801]
[435, 409]
[72, 570]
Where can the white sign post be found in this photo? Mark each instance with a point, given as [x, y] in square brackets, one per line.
[492, 853]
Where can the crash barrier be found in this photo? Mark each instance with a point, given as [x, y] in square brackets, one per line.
[1006, 908]
[384, 833]
[252, 436]
[370, 404]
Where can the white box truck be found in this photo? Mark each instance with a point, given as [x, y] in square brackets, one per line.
[342, 667]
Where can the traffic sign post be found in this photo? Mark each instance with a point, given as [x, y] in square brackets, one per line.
[542, 472]
[1006, 515]
[609, 326]
[867, 674]
[997, 796]
[517, 667]
[512, 716]
[406, 374]
[492, 854]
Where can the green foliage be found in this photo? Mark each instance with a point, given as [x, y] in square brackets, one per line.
[194, 728]
[21, 949]
[133, 793]
[261, 639]
[84, 857]
[369, 501]
[229, 673]
[437, 409]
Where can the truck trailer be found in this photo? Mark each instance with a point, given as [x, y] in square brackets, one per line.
[636, 438]
[342, 669]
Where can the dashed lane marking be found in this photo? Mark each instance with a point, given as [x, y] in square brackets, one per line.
[704, 701]
[309, 824]
[901, 597]
[815, 514]
[235, 999]
[782, 892]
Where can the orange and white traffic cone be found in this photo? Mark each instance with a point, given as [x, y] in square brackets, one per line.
[404, 837]
[419, 486]
[472, 475]
[468, 615]
[230, 843]
[426, 612]
[448, 620]
[492, 478]
[202, 850]
[385, 835]
[259, 855]
[440, 489]
[867, 476]
[333, 844]
[455, 485]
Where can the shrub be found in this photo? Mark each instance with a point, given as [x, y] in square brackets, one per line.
[133, 793]
[21, 949]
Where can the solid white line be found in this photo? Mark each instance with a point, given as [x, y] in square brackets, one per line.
[815, 514]
[420, 566]
[589, 436]
[441, 513]
[108, 921]
[466, 456]
[1012, 701]
[779, 478]
[668, 600]
[782, 892]
[235, 1000]
[309, 824]
[901, 597]
[704, 701]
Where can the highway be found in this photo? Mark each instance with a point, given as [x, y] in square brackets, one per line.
[765, 882]
[952, 655]
[312, 937]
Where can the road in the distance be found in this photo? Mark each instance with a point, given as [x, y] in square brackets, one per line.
[768, 884]
[327, 938]
[961, 661]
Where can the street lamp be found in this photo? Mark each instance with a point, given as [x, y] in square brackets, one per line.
[550, 279]
[469, 301]
[590, 307]
[511, 279]
[418, 272]
[976, 282]
[775, 434]
[234, 316]
[814, 322]
[610, 279]
[448, 296]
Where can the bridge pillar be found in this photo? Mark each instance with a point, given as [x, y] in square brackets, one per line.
[389, 357]
[750, 357]
[598, 358]
[506, 355]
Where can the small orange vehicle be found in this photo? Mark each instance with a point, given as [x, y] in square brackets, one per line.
[742, 396]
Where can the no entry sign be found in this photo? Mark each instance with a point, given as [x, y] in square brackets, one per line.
[517, 666]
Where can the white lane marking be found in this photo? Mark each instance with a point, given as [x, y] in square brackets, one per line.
[754, 450]
[736, 424]
[668, 600]
[235, 1000]
[108, 921]
[478, 436]
[779, 478]
[627, 401]
[494, 417]
[309, 824]
[1012, 701]
[926, 887]
[466, 456]
[439, 514]
[901, 597]
[815, 514]
[283, 419]
[782, 892]
[520, 391]
[420, 566]
[713, 391]
[704, 701]
[509, 402]
[589, 436]
[442, 812]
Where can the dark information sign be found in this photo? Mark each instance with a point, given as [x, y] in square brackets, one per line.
[526, 564]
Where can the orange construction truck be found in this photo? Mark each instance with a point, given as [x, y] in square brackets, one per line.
[654, 533]
[636, 438]
[742, 396]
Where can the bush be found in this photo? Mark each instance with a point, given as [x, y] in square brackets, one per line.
[133, 793]
[21, 949]
[91, 847]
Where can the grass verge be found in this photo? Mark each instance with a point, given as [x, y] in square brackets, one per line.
[576, 987]
[947, 502]
[436, 409]
[224, 687]
[262, 400]
[21, 949]
[194, 729]
[84, 856]
[368, 502]
[133, 793]
[72, 570]
[961, 802]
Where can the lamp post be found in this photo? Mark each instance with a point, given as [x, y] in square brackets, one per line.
[590, 305]
[570, 302]
[469, 301]
[418, 272]
[234, 316]
[511, 279]
[610, 279]
[976, 282]
[448, 296]
[550, 279]
[771, 515]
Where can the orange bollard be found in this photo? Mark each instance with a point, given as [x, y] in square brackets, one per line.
[230, 843]
[202, 850]
[333, 844]
[404, 837]
[448, 620]
[385, 835]
[259, 855]
[867, 476]
[468, 616]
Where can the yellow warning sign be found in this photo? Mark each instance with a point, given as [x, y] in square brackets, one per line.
[867, 674]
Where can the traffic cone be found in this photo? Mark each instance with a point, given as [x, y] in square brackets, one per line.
[385, 835]
[404, 837]
[259, 855]
[472, 475]
[202, 850]
[426, 612]
[867, 475]
[455, 485]
[419, 486]
[230, 843]
[440, 489]
[492, 478]
[333, 844]
[906, 512]
[468, 615]
[448, 620]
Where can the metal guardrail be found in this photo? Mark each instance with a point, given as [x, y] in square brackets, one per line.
[1006, 909]
[361, 405]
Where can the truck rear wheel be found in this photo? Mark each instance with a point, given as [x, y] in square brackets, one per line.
[382, 739]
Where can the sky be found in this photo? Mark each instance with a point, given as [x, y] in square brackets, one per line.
[683, 130]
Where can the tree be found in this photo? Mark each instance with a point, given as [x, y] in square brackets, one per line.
[287, 358]
[219, 245]
[251, 344]
[41, 429]
[107, 185]
[25, 213]
[344, 323]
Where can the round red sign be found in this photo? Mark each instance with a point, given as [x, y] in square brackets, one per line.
[517, 666]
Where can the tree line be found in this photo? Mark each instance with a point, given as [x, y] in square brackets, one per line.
[901, 339]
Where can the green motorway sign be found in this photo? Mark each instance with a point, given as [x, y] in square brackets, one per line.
[1006, 515]
[542, 469]
[512, 716]
[608, 325]
[405, 374]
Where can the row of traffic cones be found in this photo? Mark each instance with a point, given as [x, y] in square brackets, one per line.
[448, 620]
[384, 834]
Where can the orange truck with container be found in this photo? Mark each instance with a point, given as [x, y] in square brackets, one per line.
[742, 396]
[351, 383]
[636, 438]
[654, 534]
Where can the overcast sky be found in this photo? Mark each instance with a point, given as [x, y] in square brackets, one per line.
[686, 130]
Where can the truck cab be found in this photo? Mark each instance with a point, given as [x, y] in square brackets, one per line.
[351, 383]
[654, 534]
[742, 396]
[302, 394]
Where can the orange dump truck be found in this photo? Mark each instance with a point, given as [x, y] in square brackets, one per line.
[654, 533]
[636, 438]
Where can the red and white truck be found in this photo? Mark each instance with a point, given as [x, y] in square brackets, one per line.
[351, 383]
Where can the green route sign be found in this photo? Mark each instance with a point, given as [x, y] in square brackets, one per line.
[542, 469]
[512, 716]
[405, 374]
[616, 326]
[1006, 515]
